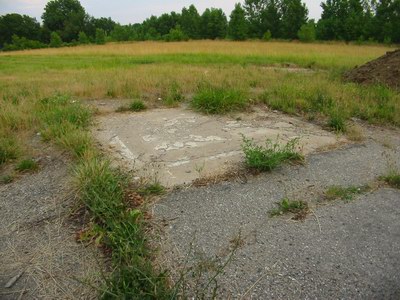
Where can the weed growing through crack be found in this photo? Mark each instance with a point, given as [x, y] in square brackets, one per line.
[270, 156]
[344, 193]
[298, 207]
[218, 100]
[27, 165]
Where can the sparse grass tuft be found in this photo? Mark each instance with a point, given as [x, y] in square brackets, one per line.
[298, 207]
[173, 96]
[218, 100]
[6, 179]
[344, 193]
[152, 189]
[355, 133]
[27, 165]
[270, 156]
[393, 179]
[137, 105]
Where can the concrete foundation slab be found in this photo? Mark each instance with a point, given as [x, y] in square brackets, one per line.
[179, 145]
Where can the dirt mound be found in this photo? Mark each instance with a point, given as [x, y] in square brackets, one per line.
[384, 70]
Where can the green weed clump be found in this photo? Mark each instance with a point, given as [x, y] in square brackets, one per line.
[155, 188]
[102, 190]
[218, 100]
[337, 122]
[137, 105]
[344, 193]
[269, 156]
[393, 179]
[27, 165]
[289, 206]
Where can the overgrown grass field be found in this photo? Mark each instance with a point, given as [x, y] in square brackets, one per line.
[40, 92]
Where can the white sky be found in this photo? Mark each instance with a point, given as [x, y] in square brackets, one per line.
[132, 11]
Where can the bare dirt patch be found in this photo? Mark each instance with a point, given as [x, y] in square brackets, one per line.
[179, 146]
[384, 70]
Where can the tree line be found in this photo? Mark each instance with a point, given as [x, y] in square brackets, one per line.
[65, 22]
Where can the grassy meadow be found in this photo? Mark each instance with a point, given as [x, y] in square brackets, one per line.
[40, 92]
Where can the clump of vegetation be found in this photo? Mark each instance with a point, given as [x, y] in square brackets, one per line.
[173, 95]
[137, 105]
[8, 149]
[269, 156]
[218, 100]
[344, 193]
[393, 179]
[337, 122]
[6, 179]
[102, 190]
[27, 165]
[154, 188]
[298, 207]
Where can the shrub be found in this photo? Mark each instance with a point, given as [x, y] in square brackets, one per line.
[100, 36]
[176, 35]
[270, 156]
[218, 100]
[267, 36]
[307, 33]
[337, 122]
[22, 44]
[83, 38]
[55, 40]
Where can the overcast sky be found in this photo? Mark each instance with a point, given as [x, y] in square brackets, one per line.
[132, 11]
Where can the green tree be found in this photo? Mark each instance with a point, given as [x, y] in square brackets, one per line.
[55, 40]
[238, 26]
[190, 22]
[83, 38]
[294, 15]
[254, 12]
[387, 21]
[20, 25]
[100, 36]
[307, 32]
[213, 24]
[66, 17]
[271, 18]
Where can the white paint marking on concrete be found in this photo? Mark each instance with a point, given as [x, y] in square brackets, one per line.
[178, 163]
[212, 138]
[123, 149]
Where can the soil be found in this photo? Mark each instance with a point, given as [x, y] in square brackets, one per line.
[384, 70]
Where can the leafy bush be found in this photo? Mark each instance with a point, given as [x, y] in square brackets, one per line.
[267, 36]
[55, 40]
[307, 33]
[100, 36]
[270, 156]
[176, 35]
[218, 100]
[23, 44]
[83, 38]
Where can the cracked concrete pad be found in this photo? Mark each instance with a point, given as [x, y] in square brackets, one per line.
[180, 145]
